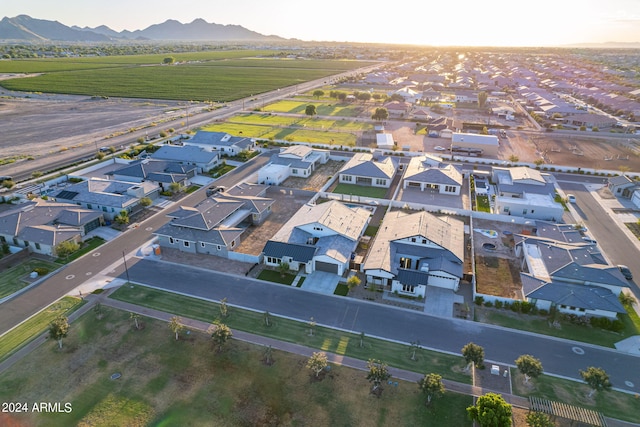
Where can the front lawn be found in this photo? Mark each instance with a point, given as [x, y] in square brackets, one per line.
[86, 247]
[220, 170]
[342, 290]
[276, 277]
[188, 382]
[15, 278]
[361, 190]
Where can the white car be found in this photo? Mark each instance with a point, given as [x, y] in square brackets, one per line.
[571, 198]
[439, 148]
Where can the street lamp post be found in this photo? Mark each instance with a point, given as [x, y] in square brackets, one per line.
[126, 270]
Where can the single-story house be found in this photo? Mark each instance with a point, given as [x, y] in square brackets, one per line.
[590, 120]
[42, 225]
[413, 251]
[226, 144]
[188, 155]
[561, 270]
[397, 109]
[108, 196]
[471, 143]
[362, 169]
[427, 172]
[320, 237]
[297, 160]
[161, 172]
[215, 225]
[622, 186]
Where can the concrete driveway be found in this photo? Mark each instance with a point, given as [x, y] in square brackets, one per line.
[439, 301]
[321, 282]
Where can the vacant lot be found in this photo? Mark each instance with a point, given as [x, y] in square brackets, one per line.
[318, 178]
[498, 276]
[188, 382]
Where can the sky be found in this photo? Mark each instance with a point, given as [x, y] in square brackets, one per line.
[421, 22]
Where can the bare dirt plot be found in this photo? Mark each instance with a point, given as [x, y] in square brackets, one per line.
[498, 276]
[254, 239]
[318, 179]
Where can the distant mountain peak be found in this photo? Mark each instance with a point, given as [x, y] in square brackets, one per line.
[24, 27]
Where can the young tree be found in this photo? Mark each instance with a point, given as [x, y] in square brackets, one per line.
[145, 202]
[176, 325]
[529, 366]
[224, 309]
[491, 410]
[66, 248]
[221, 334]
[538, 419]
[122, 217]
[318, 93]
[514, 159]
[473, 353]
[283, 268]
[175, 187]
[362, 335]
[378, 373]
[318, 362]
[415, 346]
[431, 385]
[135, 317]
[58, 329]
[596, 378]
[268, 355]
[312, 326]
[353, 281]
[97, 309]
[267, 318]
[310, 110]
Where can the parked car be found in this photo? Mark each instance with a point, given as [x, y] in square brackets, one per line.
[625, 272]
[214, 190]
[571, 198]
[439, 148]
[590, 240]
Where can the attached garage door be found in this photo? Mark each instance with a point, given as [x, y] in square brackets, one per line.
[327, 266]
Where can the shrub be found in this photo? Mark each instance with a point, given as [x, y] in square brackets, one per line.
[42, 271]
[516, 306]
[543, 312]
[479, 300]
[499, 304]
[488, 304]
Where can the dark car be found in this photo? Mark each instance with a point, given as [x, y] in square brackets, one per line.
[214, 190]
[625, 272]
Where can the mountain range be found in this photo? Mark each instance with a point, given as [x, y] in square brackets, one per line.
[26, 28]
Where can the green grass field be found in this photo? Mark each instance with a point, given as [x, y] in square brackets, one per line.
[288, 134]
[188, 382]
[30, 329]
[361, 190]
[11, 280]
[287, 330]
[340, 124]
[322, 109]
[276, 277]
[204, 77]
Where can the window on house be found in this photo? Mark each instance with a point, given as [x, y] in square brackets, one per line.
[413, 239]
[218, 247]
[380, 181]
[233, 243]
[186, 244]
[424, 241]
[38, 246]
[171, 240]
[294, 171]
[408, 288]
[348, 178]
[203, 244]
[405, 262]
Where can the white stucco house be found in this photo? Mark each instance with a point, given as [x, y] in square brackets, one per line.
[297, 161]
[414, 251]
[362, 169]
[429, 173]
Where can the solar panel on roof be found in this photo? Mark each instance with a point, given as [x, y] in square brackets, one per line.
[66, 194]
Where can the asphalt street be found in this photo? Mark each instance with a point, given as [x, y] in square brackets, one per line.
[559, 357]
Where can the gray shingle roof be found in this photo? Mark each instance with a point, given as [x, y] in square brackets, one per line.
[185, 153]
[219, 139]
[579, 296]
[363, 164]
[299, 253]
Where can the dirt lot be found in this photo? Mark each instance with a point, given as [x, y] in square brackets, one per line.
[318, 179]
[43, 126]
[497, 270]
[286, 205]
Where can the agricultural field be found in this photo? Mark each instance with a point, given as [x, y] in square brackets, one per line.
[284, 133]
[199, 76]
[322, 109]
[341, 124]
[190, 382]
